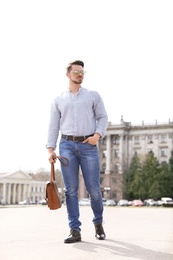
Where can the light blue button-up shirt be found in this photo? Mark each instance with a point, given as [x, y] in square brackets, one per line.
[78, 114]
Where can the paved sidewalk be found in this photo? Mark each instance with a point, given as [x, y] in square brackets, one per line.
[37, 233]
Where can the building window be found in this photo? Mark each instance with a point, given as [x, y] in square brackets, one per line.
[171, 136]
[116, 140]
[163, 138]
[103, 140]
[150, 139]
[136, 140]
[163, 152]
[103, 167]
[116, 167]
[117, 153]
[101, 180]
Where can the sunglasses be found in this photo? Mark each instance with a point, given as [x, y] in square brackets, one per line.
[77, 72]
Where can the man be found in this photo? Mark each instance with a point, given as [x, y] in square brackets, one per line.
[79, 114]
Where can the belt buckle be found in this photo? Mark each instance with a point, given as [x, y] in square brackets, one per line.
[74, 138]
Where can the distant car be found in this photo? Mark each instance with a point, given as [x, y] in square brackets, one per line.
[84, 202]
[137, 203]
[23, 202]
[129, 203]
[110, 203]
[167, 202]
[33, 202]
[159, 203]
[104, 201]
[166, 199]
[150, 202]
[123, 202]
[43, 202]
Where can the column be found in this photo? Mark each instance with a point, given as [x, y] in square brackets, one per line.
[24, 192]
[4, 199]
[14, 194]
[28, 193]
[9, 193]
[108, 155]
[120, 155]
[18, 193]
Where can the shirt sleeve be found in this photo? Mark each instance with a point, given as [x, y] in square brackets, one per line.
[54, 126]
[101, 115]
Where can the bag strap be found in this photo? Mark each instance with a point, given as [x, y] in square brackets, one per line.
[52, 175]
[63, 160]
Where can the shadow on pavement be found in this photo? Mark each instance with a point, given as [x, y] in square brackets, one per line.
[123, 249]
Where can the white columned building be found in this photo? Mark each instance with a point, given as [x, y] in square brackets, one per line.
[19, 186]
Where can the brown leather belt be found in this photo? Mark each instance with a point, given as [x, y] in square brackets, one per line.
[76, 138]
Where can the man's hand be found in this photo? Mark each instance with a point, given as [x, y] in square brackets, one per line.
[92, 139]
[52, 157]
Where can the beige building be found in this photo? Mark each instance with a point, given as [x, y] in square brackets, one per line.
[119, 145]
[19, 186]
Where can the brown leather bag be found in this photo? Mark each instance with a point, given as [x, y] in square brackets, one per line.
[52, 193]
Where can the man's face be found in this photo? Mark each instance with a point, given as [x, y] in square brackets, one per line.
[76, 74]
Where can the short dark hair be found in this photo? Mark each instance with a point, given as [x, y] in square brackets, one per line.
[76, 62]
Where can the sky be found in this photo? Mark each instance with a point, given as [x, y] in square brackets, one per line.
[127, 49]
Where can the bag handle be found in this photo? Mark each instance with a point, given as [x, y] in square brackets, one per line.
[63, 160]
[52, 175]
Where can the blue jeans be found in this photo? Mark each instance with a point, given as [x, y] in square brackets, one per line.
[86, 156]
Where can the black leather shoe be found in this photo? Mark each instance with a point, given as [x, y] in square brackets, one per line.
[74, 237]
[100, 234]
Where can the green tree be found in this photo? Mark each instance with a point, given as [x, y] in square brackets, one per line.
[163, 179]
[171, 162]
[166, 179]
[150, 173]
[131, 185]
[150, 180]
